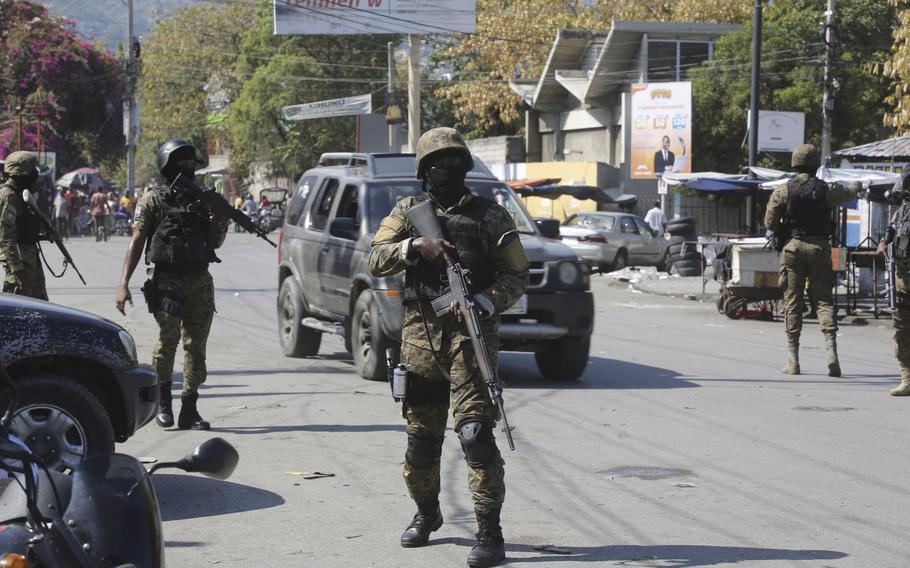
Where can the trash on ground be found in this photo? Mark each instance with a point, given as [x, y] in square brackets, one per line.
[310, 474]
[685, 484]
[552, 549]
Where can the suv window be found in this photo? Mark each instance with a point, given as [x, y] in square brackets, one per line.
[319, 214]
[299, 199]
[349, 206]
[628, 226]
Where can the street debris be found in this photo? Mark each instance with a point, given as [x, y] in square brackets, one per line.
[636, 274]
[551, 549]
[310, 475]
[647, 473]
[685, 484]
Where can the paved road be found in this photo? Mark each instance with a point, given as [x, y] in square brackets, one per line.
[682, 445]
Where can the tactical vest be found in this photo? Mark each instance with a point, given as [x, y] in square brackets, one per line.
[180, 240]
[28, 224]
[464, 229]
[808, 212]
[902, 232]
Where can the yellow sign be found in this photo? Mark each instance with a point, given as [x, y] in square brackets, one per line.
[661, 129]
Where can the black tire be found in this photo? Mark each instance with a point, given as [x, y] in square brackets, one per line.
[675, 250]
[621, 261]
[297, 340]
[564, 359]
[368, 339]
[676, 240]
[61, 421]
[688, 264]
[720, 303]
[691, 255]
[735, 308]
[675, 227]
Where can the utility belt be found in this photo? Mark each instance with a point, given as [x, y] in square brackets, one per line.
[157, 300]
[409, 389]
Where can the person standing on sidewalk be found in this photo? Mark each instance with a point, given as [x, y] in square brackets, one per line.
[898, 234]
[799, 213]
[656, 218]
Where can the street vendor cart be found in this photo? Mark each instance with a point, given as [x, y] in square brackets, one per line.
[747, 270]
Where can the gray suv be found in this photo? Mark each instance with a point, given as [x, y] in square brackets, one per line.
[325, 285]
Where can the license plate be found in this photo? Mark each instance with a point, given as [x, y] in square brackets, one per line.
[520, 307]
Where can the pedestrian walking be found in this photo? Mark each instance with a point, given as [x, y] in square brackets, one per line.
[181, 244]
[61, 215]
[437, 350]
[656, 218]
[20, 229]
[99, 213]
[799, 213]
[898, 235]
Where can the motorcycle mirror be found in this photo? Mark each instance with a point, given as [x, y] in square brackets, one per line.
[214, 458]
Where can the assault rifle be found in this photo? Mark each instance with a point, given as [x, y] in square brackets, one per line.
[216, 205]
[423, 217]
[52, 235]
[892, 282]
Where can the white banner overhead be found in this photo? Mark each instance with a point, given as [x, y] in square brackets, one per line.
[350, 17]
[361, 104]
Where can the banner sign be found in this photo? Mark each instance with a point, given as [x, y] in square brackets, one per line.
[350, 17]
[661, 129]
[361, 104]
[779, 131]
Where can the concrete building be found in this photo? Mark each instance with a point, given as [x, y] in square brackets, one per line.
[579, 108]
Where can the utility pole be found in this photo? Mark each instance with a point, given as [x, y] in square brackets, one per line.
[413, 91]
[828, 96]
[753, 102]
[394, 128]
[131, 114]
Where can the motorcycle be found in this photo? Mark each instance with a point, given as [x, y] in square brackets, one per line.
[104, 515]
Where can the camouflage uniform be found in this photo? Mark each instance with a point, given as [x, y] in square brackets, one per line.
[467, 393]
[193, 291]
[21, 262]
[806, 258]
[901, 315]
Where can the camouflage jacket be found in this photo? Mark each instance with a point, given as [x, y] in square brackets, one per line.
[777, 204]
[388, 257]
[15, 257]
[149, 212]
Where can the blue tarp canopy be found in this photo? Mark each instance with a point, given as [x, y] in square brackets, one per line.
[726, 187]
[554, 191]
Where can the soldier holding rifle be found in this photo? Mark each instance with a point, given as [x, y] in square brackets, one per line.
[897, 245]
[20, 229]
[442, 362]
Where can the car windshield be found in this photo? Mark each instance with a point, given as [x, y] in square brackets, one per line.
[596, 222]
[382, 196]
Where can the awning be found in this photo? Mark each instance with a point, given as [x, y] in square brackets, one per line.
[598, 194]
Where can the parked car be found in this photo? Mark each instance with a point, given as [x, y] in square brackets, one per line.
[609, 241]
[325, 285]
[80, 385]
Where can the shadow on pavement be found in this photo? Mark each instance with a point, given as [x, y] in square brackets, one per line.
[192, 497]
[314, 428]
[520, 370]
[675, 555]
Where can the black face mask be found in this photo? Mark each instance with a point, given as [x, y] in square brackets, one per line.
[447, 184]
[26, 181]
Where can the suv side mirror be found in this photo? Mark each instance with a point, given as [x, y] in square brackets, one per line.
[343, 228]
[548, 227]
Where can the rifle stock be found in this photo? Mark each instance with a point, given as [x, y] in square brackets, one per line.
[423, 217]
[52, 235]
[216, 205]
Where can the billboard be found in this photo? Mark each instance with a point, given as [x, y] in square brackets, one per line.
[361, 104]
[661, 129]
[779, 131]
[349, 17]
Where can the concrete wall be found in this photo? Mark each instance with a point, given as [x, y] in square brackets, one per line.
[499, 149]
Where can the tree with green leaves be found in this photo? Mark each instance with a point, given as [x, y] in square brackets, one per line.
[897, 68]
[792, 71]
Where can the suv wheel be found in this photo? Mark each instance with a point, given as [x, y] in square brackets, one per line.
[61, 421]
[564, 359]
[297, 340]
[367, 338]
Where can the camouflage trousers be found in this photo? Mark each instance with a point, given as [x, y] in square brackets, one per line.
[186, 314]
[28, 282]
[901, 317]
[801, 261]
[427, 414]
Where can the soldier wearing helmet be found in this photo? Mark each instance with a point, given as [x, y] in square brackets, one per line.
[20, 229]
[898, 235]
[180, 241]
[800, 214]
[437, 350]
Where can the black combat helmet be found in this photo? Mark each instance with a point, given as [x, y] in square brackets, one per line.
[172, 152]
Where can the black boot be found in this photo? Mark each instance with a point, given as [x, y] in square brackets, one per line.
[165, 417]
[427, 519]
[490, 549]
[189, 418]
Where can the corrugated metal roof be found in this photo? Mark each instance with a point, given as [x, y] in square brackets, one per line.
[892, 148]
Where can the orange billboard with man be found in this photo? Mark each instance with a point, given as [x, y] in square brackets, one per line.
[661, 129]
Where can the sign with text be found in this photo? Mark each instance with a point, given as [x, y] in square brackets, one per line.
[351, 17]
[361, 104]
[661, 129]
[780, 131]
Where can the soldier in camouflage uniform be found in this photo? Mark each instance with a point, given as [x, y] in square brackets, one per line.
[898, 233]
[20, 229]
[800, 214]
[180, 241]
[438, 351]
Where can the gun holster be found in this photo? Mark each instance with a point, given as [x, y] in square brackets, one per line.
[150, 292]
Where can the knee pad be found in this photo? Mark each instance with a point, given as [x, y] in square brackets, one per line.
[478, 444]
[423, 451]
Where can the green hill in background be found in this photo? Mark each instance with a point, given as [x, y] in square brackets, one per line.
[106, 20]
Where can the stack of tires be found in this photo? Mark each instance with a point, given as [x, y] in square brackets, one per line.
[682, 256]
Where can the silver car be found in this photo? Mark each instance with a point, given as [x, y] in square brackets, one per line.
[609, 241]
